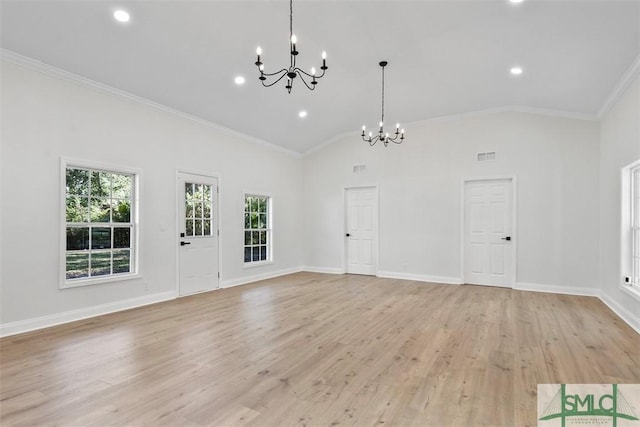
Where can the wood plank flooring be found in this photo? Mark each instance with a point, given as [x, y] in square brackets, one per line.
[317, 350]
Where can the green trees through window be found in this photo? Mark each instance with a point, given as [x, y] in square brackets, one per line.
[257, 230]
[99, 226]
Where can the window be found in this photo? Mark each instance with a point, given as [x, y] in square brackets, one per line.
[257, 228]
[198, 207]
[630, 238]
[635, 226]
[99, 226]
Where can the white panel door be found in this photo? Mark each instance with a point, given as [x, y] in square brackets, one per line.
[198, 233]
[488, 239]
[362, 230]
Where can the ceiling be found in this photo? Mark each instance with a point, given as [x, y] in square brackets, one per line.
[445, 57]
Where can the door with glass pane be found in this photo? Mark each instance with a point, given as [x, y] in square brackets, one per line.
[197, 233]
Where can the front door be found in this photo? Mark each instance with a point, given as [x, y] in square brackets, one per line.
[197, 233]
[488, 235]
[362, 230]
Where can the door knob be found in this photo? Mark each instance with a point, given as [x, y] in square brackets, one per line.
[506, 238]
[348, 235]
[184, 243]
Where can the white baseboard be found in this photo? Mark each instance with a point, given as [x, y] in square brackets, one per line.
[257, 277]
[420, 277]
[21, 326]
[327, 270]
[632, 319]
[555, 289]
[628, 317]
[27, 325]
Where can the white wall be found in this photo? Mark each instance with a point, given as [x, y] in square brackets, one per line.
[44, 118]
[555, 161]
[567, 170]
[619, 146]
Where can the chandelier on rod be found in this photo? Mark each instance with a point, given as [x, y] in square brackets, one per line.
[385, 138]
[293, 70]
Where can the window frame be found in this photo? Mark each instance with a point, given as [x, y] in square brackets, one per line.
[630, 222]
[269, 229]
[634, 198]
[134, 222]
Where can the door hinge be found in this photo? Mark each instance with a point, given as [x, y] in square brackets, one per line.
[218, 274]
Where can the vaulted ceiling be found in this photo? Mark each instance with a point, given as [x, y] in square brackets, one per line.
[445, 57]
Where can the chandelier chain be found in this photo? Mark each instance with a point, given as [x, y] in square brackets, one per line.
[293, 58]
[382, 119]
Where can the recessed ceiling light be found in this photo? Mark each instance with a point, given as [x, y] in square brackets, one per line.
[516, 1]
[121, 15]
[516, 71]
[239, 80]
[302, 114]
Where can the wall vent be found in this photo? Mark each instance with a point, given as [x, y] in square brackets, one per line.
[487, 156]
[359, 168]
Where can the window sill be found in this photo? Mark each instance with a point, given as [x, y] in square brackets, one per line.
[256, 264]
[98, 281]
[634, 291]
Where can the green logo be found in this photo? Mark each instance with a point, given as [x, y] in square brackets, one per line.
[590, 407]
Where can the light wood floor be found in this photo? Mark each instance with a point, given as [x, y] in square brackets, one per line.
[311, 349]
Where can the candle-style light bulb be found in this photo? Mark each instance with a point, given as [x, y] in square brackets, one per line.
[402, 131]
[397, 125]
[294, 39]
[259, 52]
[324, 55]
[363, 127]
[261, 67]
[387, 135]
[370, 135]
[313, 71]
[380, 124]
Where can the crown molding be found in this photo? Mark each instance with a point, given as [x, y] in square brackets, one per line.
[624, 83]
[50, 70]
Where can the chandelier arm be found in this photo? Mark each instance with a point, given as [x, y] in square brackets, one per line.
[301, 71]
[305, 82]
[276, 81]
[276, 73]
[371, 141]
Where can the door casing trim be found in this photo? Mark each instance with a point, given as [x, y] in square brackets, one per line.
[514, 228]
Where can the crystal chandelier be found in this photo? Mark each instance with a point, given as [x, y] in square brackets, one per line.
[292, 71]
[381, 136]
